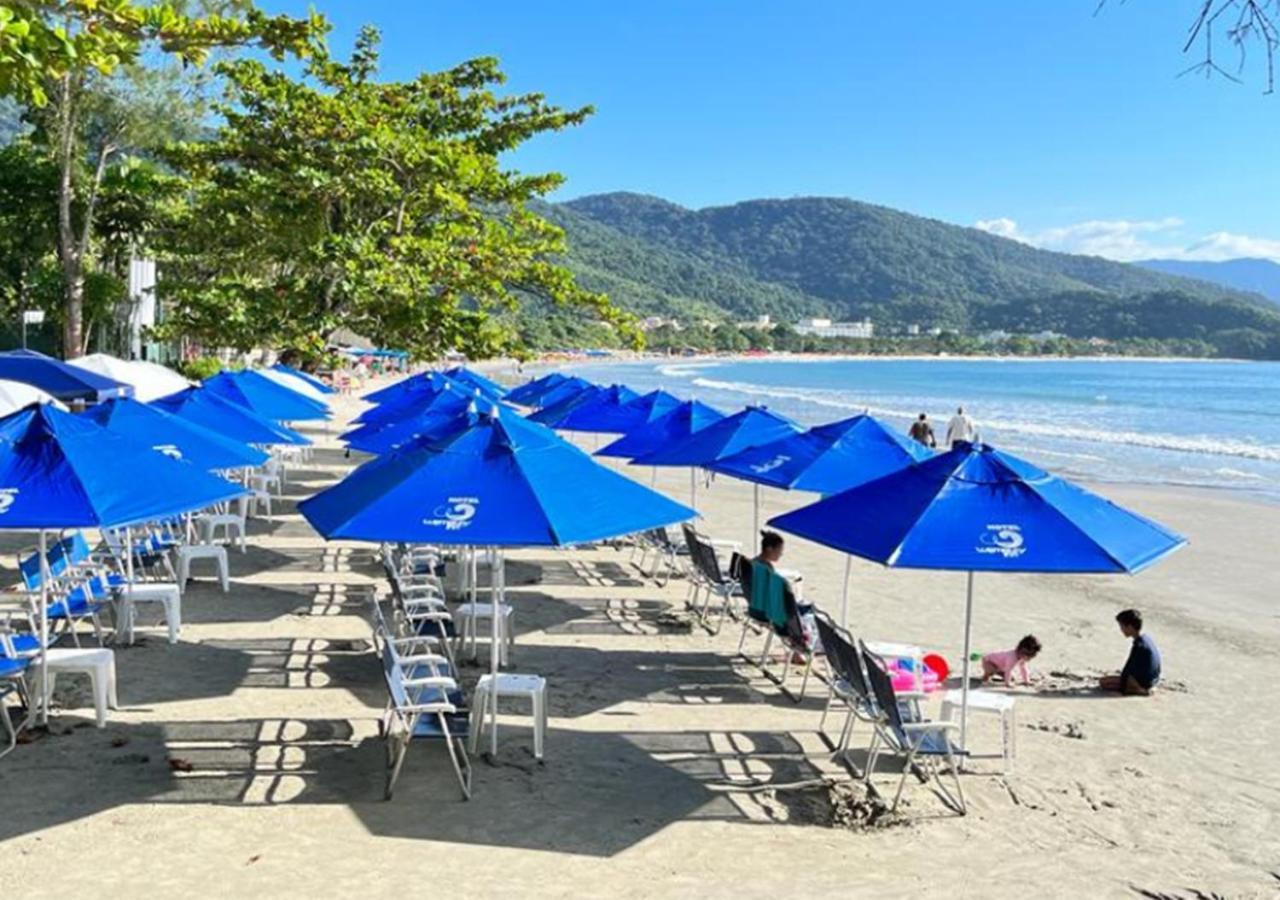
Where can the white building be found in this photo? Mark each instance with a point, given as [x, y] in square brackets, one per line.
[827, 328]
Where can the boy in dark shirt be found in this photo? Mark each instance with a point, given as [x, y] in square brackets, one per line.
[1141, 671]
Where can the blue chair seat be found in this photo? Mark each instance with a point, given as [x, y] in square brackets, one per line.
[12, 667]
[428, 726]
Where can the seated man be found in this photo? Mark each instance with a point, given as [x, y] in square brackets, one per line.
[1141, 671]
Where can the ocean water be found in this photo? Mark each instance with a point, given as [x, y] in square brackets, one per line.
[1213, 424]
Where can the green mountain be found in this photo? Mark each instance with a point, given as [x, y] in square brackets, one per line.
[846, 259]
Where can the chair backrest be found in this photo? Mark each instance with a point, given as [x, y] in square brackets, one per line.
[882, 689]
[690, 539]
[710, 562]
[842, 654]
[29, 568]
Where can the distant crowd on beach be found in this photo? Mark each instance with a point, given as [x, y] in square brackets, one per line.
[960, 428]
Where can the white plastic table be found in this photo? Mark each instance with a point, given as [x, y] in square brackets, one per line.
[795, 578]
[98, 663]
[509, 684]
[1002, 705]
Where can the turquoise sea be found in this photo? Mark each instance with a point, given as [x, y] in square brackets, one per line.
[1185, 423]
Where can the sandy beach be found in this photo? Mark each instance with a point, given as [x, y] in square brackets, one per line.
[663, 743]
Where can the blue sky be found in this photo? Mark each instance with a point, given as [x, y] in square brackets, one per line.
[1038, 118]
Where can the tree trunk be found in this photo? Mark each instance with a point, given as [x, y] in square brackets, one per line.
[68, 246]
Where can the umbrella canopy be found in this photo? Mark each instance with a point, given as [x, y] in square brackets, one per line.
[59, 379]
[430, 382]
[413, 401]
[748, 428]
[296, 384]
[174, 436]
[827, 458]
[15, 394]
[500, 482]
[410, 395]
[263, 396]
[977, 509]
[581, 412]
[677, 424]
[381, 437]
[59, 470]
[196, 404]
[148, 380]
[528, 393]
[303, 376]
[565, 390]
[476, 380]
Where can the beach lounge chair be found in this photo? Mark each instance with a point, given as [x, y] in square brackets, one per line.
[423, 703]
[18, 647]
[69, 602]
[715, 582]
[107, 577]
[923, 746]
[847, 682]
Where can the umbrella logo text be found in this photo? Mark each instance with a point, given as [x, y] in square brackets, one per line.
[1006, 540]
[454, 515]
[169, 450]
[776, 462]
[7, 496]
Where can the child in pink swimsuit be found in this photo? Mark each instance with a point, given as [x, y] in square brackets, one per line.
[1005, 662]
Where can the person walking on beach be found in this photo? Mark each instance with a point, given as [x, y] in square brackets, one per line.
[960, 428]
[922, 432]
[1141, 670]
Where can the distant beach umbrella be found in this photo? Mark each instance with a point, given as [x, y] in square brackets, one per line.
[296, 384]
[731, 434]
[381, 437]
[825, 459]
[675, 425]
[206, 408]
[528, 393]
[303, 376]
[587, 410]
[60, 380]
[976, 509]
[14, 395]
[412, 396]
[261, 395]
[476, 380]
[149, 380]
[565, 390]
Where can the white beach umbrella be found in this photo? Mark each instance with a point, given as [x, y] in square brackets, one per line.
[14, 395]
[149, 380]
[295, 384]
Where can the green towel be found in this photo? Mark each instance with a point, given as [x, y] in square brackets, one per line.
[768, 594]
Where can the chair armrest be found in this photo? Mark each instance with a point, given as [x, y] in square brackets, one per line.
[447, 708]
[439, 681]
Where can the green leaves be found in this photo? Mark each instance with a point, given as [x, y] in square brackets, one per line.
[341, 200]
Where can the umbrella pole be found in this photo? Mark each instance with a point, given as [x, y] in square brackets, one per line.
[693, 488]
[755, 513]
[653, 476]
[128, 583]
[844, 594]
[44, 634]
[497, 584]
[964, 685]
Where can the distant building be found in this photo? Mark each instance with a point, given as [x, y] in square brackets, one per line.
[827, 328]
[1045, 336]
[760, 323]
[649, 323]
[994, 337]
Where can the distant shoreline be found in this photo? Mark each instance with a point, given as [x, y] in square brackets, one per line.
[638, 357]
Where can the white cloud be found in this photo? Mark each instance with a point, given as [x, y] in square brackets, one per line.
[1127, 240]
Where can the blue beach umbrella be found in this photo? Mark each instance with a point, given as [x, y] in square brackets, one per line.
[174, 436]
[499, 482]
[528, 393]
[265, 397]
[474, 379]
[59, 470]
[747, 428]
[196, 404]
[411, 397]
[565, 390]
[638, 412]
[825, 459]
[433, 420]
[675, 425]
[976, 509]
[309, 379]
[583, 411]
[53, 376]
